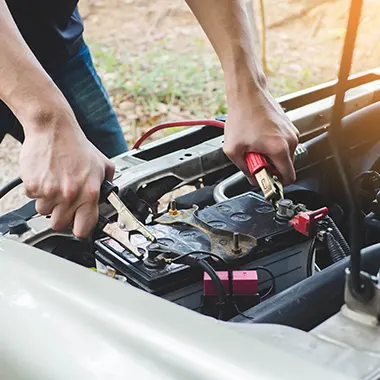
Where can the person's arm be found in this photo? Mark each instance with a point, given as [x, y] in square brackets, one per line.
[255, 122]
[60, 168]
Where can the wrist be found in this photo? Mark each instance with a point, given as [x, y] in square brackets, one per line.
[45, 114]
[247, 93]
[244, 82]
[38, 104]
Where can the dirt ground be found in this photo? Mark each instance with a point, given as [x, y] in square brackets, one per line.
[304, 40]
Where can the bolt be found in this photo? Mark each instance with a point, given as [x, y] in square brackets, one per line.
[285, 210]
[288, 203]
[173, 208]
[235, 240]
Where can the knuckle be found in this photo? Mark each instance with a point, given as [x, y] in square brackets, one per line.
[111, 166]
[61, 221]
[281, 148]
[70, 193]
[61, 217]
[56, 226]
[110, 171]
[42, 208]
[50, 190]
[293, 140]
[92, 194]
[292, 147]
[59, 224]
[31, 189]
[230, 150]
[82, 232]
[85, 221]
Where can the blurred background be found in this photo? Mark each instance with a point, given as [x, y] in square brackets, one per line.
[157, 64]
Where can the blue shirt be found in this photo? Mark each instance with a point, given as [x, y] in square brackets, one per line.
[52, 28]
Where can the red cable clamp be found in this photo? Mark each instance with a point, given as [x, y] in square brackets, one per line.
[256, 162]
[305, 222]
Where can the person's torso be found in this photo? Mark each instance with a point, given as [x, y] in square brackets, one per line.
[52, 28]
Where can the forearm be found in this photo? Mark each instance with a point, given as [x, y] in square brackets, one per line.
[227, 26]
[24, 86]
[255, 122]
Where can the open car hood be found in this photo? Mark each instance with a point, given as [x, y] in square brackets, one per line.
[62, 321]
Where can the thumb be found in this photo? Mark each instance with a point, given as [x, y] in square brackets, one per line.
[109, 170]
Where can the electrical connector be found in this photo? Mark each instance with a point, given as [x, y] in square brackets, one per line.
[244, 282]
[305, 222]
[243, 292]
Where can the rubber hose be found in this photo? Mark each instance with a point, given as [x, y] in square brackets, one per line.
[335, 250]
[338, 236]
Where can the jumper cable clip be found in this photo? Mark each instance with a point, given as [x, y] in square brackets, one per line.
[267, 177]
[126, 222]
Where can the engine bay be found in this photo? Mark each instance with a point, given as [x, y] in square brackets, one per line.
[203, 213]
[193, 272]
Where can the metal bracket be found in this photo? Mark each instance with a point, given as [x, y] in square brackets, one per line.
[224, 243]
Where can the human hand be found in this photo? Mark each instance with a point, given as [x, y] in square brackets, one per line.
[63, 171]
[256, 123]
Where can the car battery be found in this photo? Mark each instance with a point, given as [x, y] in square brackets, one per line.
[247, 214]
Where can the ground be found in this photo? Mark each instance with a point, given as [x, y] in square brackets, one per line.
[157, 64]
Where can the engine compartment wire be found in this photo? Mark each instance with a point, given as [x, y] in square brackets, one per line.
[271, 289]
[180, 123]
[210, 254]
[10, 186]
[213, 255]
[310, 256]
[222, 297]
[218, 282]
[242, 314]
[273, 278]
